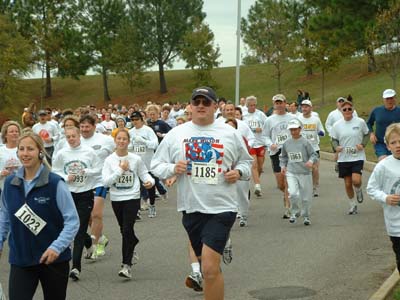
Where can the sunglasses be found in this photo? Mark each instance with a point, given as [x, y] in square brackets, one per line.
[205, 101]
[341, 101]
[135, 119]
[347, 109]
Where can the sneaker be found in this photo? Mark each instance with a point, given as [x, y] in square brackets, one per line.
[74, 274]
[145, 204]
[164, 197]
[94, 255]
[227, 254]
[315, 191]
[138, 216]
[125, 272]
[243, 221]
[360, 196]
[89, 252]
[194, 281]
[257, 190]
[238, 215]
[353, 210]
[307, 221]
[336, 167]
[135, 258]
[286, 214]
[103, 242]
[292, 219]
[152, 211]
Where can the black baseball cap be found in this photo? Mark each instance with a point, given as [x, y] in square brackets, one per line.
[206, 92]
[136, 115]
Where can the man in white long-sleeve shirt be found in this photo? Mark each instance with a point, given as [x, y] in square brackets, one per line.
[206, 159]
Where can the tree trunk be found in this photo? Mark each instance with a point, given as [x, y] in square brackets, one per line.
[163, 83]
[309, 70]
[106, 95]
[323, 86]
[48, 78]
[371, 60]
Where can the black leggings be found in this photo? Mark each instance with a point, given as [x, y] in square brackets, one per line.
[396, 248]
[53, 278]
[84, 205]
[126, 212]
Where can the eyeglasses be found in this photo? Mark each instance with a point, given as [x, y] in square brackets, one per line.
[205, 101]
[347, 109]
[135, 119]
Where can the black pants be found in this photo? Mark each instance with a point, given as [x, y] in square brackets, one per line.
[24, 281]
[126, 212]
[396, 248]
[84, 205]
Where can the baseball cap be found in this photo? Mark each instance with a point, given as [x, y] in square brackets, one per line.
[389, 93]
[136, 115]
[205, 92]
[306, 102]
[347, 102]
[42, 112]
[294, 123]
[279, 97]
[341, 99]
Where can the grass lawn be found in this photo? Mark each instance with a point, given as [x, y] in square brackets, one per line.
[351, 78]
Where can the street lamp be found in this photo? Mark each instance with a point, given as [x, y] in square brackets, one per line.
[238, 55]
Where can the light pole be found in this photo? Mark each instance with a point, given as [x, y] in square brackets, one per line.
[238, 55]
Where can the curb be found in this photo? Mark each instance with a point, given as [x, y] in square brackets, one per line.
[388, 285]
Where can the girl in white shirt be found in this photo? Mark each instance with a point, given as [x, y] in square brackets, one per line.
[124, 183]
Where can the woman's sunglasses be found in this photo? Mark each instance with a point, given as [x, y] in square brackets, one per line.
[347, 109]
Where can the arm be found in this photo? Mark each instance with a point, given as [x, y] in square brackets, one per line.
[95, 167]
[4, 222]
[109, 173]
[370, 123]
[162, 165]
[152, 142]
[375, 187]
[143, 173]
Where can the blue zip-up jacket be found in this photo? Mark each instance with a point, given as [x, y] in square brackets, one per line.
[26, 249]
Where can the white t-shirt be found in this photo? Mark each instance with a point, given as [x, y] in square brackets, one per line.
[125, 185]
[311, 127]
[244, 130]
[349, 134]
[174, 114]
[255, 120]
[333, 117]
[146, 147]
[46, 130]
[211, 150]
[8, 160]
[276, 131]
[109, 125]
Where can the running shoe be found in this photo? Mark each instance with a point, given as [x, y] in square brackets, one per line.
[238, 215]
[306, 221]
[138, 216]
[227, 254]
[135, 258]
[94, 255]
[101, 246]
[257, 190]
[74, 274]
[195, 281]
[292, 219]
[145, 204]
[125, 272]
[286, 214]
[152, 211]
[315, 191]
[336, 167]
[164, 197]
[360, 196]
[353, 210]
[90, 251]
[243, 221]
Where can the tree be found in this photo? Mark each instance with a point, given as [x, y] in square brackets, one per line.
[385, 36]
[15, 60]
[101, 20]
[267, 33]
[164, 24]
[347, 22]
[200, 54]
[48, 24]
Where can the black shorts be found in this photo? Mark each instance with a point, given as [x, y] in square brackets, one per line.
[349, 167]
[275, 162]
[209, 229]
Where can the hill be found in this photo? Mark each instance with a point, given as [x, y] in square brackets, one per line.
[351, 78]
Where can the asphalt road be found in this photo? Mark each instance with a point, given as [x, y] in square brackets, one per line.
[337, 257]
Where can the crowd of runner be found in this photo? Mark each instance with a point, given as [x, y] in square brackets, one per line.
[62, 164]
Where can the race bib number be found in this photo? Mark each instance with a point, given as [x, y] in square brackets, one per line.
[253, 125]
[31, 221]
[295, 157]
[79, 180]
[350, 150]
[139, 149]
[125, 180]
[205, 173]
[310, 137]
[281, 138]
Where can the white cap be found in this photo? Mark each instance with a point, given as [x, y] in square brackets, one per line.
[294, 123]
[279, 97]
[306, 102]
[389, 93]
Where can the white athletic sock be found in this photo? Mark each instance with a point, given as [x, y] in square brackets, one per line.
[195, 267]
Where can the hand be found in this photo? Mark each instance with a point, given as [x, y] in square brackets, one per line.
[339, 149]
[124, 165]
[170, 181]
[283, 171]
[309, 164]
[273, 147]
[71, 177]
[48, 140]
[49, 256]
[393, 200]
[258, 130]
[321, 133]
[4, 172]
[139, 139]
[372, 138]
[359, 147]
[181, 166]
[147, 185]
[231, 176]
[159, 134]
